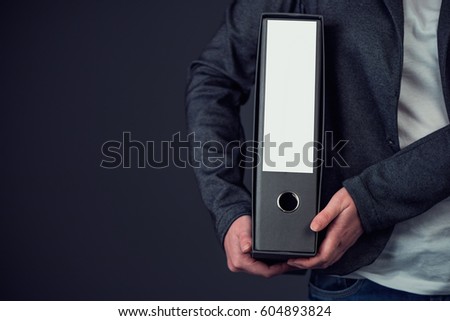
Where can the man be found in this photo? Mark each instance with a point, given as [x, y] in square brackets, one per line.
[387, 214]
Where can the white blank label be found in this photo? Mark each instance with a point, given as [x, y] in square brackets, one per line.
[290, 91]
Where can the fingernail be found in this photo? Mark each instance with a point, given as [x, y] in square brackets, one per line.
[314, 227]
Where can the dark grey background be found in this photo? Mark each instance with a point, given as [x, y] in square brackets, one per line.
[74, 75]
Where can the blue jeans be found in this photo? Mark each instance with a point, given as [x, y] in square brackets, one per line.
[330, 288]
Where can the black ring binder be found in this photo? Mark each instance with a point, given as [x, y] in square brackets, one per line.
[289, 110]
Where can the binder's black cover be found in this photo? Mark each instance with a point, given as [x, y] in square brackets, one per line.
[284, 203]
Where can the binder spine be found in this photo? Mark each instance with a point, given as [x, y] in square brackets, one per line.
[286, 199]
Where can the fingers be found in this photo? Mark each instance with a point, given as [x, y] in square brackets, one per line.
[344, 228]
[238, 245]
[329, 252]
[341, 219]
[247, 264]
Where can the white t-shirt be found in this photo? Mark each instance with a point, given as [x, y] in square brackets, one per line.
[417, 256]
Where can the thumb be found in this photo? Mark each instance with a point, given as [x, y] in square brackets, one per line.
[245, 243]
[327, 215]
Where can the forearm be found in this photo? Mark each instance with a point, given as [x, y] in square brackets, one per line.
[405, 185]
[213, 115]
[220, 82]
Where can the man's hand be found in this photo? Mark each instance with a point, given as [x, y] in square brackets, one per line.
[238, 245]
[344, 228]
